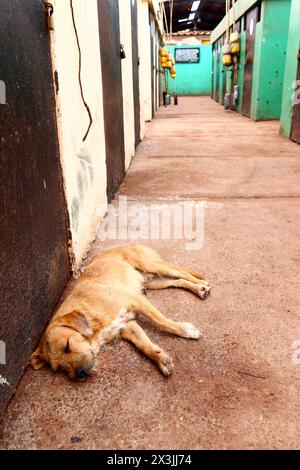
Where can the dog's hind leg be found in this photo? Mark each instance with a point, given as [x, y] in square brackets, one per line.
[163, 283]
[186, 330]
[136, 335]
[178, 272]
[147, 260]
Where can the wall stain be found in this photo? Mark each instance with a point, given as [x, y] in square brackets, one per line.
[85, 179]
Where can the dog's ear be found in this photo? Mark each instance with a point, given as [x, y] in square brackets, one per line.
[78, 322]
[36, 360]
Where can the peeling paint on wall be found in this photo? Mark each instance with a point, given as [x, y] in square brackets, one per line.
[84, 179]
[2, 92]
[2, 353]
[4, 381]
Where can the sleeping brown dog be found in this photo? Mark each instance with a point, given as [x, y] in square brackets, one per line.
[103, 304]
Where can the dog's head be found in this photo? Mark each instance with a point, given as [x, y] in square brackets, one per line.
[67, 344]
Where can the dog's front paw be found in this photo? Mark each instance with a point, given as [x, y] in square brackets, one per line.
[165, 364]
[190, 331]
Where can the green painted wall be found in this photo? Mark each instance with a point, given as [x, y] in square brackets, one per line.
[222, 80]
[241, 67]
[270, 56]
[258, 69]
[214, 68]
[194, 79]
[222, 71]
[222, 75]
[230, 78]
[290, 68]
[218, 73]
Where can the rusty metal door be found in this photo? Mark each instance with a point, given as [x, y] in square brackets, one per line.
[135, 70]
[296, 113]
[109, 31]
[252, 19]
[34, 264]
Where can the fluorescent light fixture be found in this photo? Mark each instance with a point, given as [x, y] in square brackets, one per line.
[183, 20]
[195, 5]
[192, 16]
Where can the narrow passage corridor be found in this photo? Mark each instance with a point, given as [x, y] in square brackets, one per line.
[239, 385]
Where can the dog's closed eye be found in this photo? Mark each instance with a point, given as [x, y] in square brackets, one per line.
[67, 348]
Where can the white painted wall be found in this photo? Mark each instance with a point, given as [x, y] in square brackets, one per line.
[83, 163]
[127, 80]
[145, 63]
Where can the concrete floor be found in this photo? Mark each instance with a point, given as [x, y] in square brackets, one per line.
[237, 387]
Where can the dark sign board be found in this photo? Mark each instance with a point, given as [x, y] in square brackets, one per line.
[187, 55]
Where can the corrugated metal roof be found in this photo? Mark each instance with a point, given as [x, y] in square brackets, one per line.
[207, 16]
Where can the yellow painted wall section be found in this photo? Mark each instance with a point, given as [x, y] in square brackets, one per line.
[127, 80]
[145, 63]
[83, 163]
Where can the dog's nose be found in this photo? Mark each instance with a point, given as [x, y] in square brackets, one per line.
[81, 373]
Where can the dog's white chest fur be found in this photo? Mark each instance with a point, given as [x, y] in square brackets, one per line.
[114, 329]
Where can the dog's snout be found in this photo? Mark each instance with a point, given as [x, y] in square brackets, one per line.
[81, 373]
